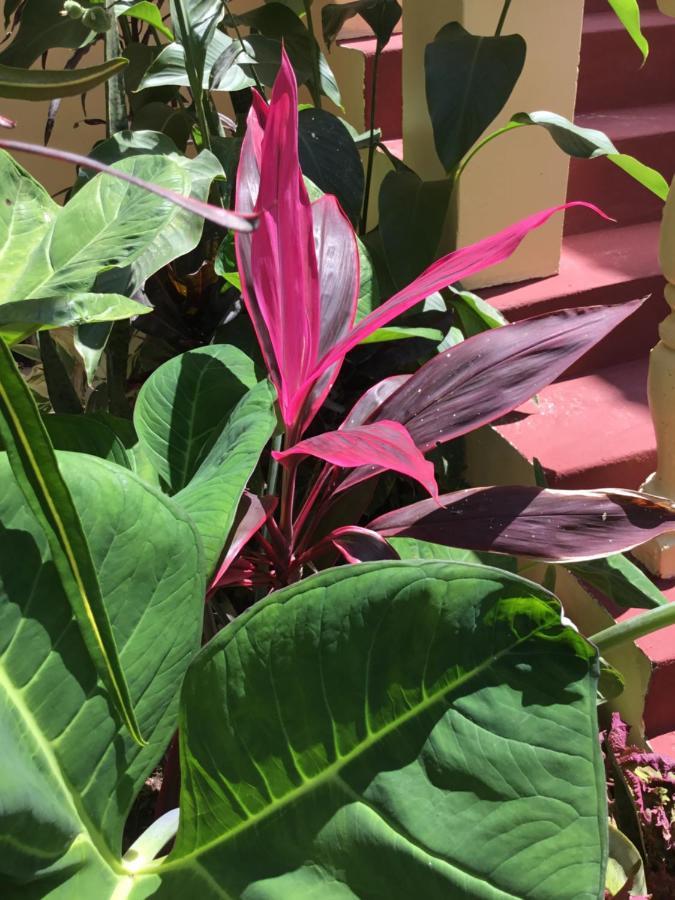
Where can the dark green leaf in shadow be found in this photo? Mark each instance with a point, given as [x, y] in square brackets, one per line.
[86, 434]
[382, 16]
[328, 156]
[412, 216]
[469, 79]
[47, 84]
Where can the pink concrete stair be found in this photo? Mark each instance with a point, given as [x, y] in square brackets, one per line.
[593, 429]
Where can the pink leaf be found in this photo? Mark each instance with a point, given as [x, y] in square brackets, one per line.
[452, 268]
[6, 122]
[252, 514]
[386, 444]
[281, 280]
[554, 526]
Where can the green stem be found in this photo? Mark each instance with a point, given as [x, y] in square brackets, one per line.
[258, 82]
[273, 469]
[316, 65]
[372, 143]
[635, 628]
[195, 74]
[470, 155]
[502, 18]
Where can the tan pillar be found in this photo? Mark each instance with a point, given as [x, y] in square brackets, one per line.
[659, 555]
[667, 7]
[521, 172]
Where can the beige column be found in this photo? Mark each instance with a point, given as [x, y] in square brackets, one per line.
[667, 7]
[659, 555]
[522, 172]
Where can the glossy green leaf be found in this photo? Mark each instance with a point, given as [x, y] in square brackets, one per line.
[169, 68]
[149, 13]
[469, 79]
[70, 773]
[49, 84]
[628, 12]
[212, 496]
[111, 236]
[184, 406]
[37, 473]
[621, 581]
[589, 143]
[376, 725]
[474, 313]
[195, 23]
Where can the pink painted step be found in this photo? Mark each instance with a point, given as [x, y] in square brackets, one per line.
[610, 71]
[646, 132]
[596, 268]
[659, 648]
[590, 432]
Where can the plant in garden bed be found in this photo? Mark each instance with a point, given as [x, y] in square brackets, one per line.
[359, 729]
[365, 728]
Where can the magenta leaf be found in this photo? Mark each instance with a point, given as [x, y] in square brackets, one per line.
[252, 514]
[385, 444]
[359, 545]
[225, 218]
[280, 276]
[450, 269]
[554, 526]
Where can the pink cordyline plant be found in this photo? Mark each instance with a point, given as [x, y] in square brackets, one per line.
[300, 284]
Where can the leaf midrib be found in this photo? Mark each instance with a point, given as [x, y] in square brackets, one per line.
[87, 832]
[429, 700]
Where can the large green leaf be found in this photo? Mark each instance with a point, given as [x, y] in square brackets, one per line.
[469, 78]
[48, 84]
[184, 406]
[111, 236]
[36, 471]
[69, 773]
[399, 730]
[628, 12]
[86, 434]
[212, 496]
[589, 143]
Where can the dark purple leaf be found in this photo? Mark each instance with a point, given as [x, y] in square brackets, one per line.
[481, 379]
[252, 514]
[554, 526]
[361, 545]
